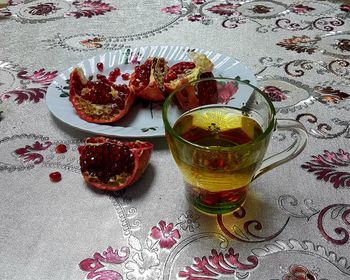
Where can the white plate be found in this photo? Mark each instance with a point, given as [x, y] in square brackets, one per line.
[144, 120]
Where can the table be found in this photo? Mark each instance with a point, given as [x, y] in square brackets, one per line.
[295, 223]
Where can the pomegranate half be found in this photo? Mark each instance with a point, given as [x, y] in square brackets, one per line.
[98, 101]
[109, 164]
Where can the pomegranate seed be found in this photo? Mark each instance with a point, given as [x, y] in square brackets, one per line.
[126, 76]
[171, 76]
[101, 77]
[90, 84]
[100, 66]
[61, 149]
[116, 71]
[190, 65]
[112, 77]
[107, 160]
[55, 176]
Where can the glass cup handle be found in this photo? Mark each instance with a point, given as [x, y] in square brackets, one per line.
[298, 145]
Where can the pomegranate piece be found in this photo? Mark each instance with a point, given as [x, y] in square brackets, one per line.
[55, 176]
[61, 149]
[186, 72]
[100, 100]
[100, 66]
[109, 164]
[147, 80]
[207, 92]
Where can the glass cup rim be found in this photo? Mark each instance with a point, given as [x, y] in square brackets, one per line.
[262, 136]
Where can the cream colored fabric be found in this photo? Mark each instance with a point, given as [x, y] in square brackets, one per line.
[296, 216]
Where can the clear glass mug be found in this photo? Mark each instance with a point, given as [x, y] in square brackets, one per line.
[220, 148]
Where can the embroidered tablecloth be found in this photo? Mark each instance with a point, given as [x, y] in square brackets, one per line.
[296, 221]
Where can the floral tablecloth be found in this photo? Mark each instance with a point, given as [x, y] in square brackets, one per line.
[296, 221]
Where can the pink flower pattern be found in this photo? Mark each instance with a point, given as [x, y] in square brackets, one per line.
[166, 234]
[195, 17]
[227, 91]
[31, 93]
[345, 8]
[43, 9]
[275, 93]
[301, 9]
[38, 77]
[90, 8]
[175, 10]
[224, 9]
[94, 266]
[27, 154]
[217, 265]
[326, 166]
[198, 2]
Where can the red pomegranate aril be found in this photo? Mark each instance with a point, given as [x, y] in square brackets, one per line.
[101, 77]
[116, 71]
[100, 66]
[55, 176]
[190, 65]
[90, 84]
[171, 76]
[110, 164]
[61, 149]
[112, 78]
[100, 94]
[106, 161]
[125, 76]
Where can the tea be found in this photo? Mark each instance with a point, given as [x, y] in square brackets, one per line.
[221, 148]
[217, 176]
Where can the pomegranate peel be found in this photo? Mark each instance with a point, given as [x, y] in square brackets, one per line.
[99, 101]
[202, 61]
[109, 164]
[187, 71]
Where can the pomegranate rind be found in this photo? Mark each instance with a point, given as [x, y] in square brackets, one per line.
[186, 99]
[77, 81]
[90, 112]
[154, 91]
[189, 97]
[142, 153]
[203, 65]
[150, 92]
[201, 61]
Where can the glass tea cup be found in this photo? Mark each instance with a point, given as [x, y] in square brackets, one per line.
[220, 147]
